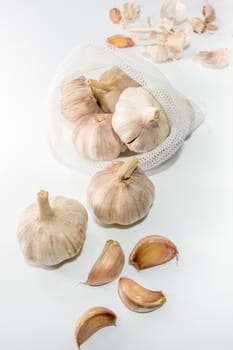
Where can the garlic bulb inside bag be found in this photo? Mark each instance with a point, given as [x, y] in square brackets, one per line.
[110, 85]
[77, 99]
[52, 230]
[95, 139]
[121, 193]
[139, 120]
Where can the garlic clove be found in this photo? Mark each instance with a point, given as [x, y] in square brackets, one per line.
[211, 27]
[137, 298]
[120, 194]
[116, 78]
[187, 30]
[140, 133]
[152, 251]
[175, 44]
[108, 266]
[198, 25]
[115, 15]
[120, 41]
[217, 59]
[208, 12]
[174, 9]
[95, 139]
[158, 52]
[107, 99]
[91, 321]
[77, 99]
[52, 230]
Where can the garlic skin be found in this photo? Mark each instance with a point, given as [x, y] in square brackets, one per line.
[137, 298]
[174, 9]
[120, 194]
[139, 120]
[77, 99]
[217, 59]
[116, 78]
[152, 251]
[108, 266]
[51, 231]
[91, 321]
[95, 139]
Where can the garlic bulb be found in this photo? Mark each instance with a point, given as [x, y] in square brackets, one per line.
[139, 120]
[174, 9]
[217, 59]
[91, 321]
[121, 193]
[108, 88]
[94, 137]
[52, 230]
[77, 99]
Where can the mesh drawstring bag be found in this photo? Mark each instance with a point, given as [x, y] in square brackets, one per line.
[184, 116]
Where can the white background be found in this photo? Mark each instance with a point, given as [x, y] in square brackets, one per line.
[193, 205]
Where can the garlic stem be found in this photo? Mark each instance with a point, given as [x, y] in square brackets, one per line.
[100, 117]
[151, 114]
[143, 30]
[45, 211]
[126, 170]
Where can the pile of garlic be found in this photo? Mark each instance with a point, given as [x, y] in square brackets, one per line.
[112, 115]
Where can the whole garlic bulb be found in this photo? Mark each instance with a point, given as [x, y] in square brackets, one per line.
[77, 99]
[121, 193]
[139, 120]
[51, 231]
[94, 137]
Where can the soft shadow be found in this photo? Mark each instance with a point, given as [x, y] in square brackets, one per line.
[121, 227]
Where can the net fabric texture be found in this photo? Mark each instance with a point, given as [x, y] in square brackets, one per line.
[184, 115]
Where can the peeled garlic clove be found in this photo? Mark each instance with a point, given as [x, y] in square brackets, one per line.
[120, 194]
[174, 9]
[52, 230]
[91, 321]
[137, 298]
[108, 266]
[115, 15]
[152, 251]
[77, 99]
[120, 41]
[217, 59]
[199, 26]
[95, 139]
[208, 12]
[139, 120]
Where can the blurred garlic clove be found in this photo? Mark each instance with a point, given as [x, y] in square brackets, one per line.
[108, 266]
[120, 194]
[52, 230]
[187, 29]
[137, 298]
[95, 139]
[199, 26]
[120, 41]
[217, 59]
[208, 12]
[152, 251]
[77, 99]
[211, 27]
[139, 120]
[158, 52]
[174, 9]
[91, 321]
[115, 15]
[175, 44]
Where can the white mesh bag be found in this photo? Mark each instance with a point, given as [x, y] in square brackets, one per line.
[184, 116]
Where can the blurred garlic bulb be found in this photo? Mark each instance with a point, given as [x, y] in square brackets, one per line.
[174, 9]
[77, 99]
[51, 231]
[217, 59]
[208, 12]
[120, 194]
[94, 137]
[139, 120]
